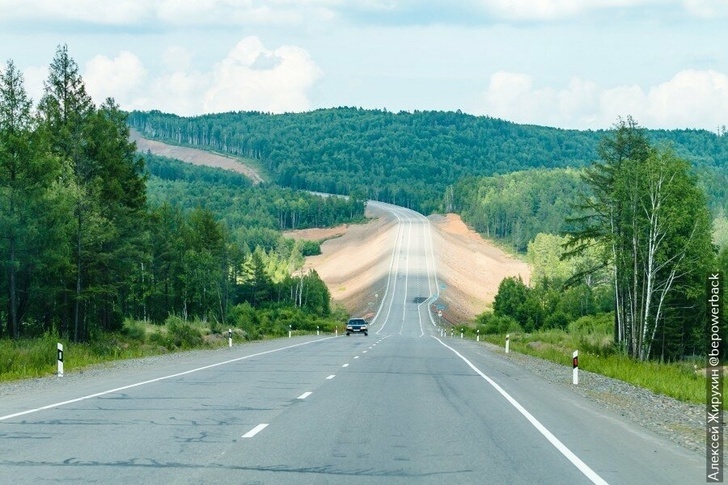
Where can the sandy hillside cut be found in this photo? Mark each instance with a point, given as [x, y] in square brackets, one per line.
[470, 267]
[355, 264]
[193, 156]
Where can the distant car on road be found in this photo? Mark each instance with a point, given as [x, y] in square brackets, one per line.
[357, 325]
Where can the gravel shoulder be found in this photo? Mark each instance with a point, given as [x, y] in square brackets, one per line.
[680, 422]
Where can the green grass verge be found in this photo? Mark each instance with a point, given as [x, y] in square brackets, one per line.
[33, 358]
[678, 380]
[30, 358]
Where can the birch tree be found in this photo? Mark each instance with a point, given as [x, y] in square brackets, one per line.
[647, 214]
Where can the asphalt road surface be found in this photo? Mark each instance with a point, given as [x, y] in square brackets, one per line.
[403, 405]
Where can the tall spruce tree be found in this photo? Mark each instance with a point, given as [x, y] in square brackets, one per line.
[22, 179]
[66, 110]
[104, 176]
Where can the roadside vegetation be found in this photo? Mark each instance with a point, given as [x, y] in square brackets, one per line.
[621, 277]
[681, 380]
[93, 234]
[36, 357]
[593, 337]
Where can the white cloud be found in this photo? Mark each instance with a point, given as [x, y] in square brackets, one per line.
[487, 11]
[120, 78]
[252, 77]
[167, 12]
[707, 8]
[118, 12]
[691, 99]
[177, 92]
[163, 14]
[513, 96]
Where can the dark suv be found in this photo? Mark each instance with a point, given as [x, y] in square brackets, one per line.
[357, 325]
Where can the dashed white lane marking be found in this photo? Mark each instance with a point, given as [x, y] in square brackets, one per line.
[255, 430]
[304, 395]
[331, 377]
[356, 356]
[345, 365]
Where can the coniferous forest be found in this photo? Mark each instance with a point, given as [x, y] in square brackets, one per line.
[93, 233]
[403, 158]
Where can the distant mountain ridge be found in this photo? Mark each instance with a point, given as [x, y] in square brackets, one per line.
[403, 158]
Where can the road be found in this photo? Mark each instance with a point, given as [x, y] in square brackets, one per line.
[403, 405]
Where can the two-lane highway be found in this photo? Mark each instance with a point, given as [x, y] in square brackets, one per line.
[399, 406]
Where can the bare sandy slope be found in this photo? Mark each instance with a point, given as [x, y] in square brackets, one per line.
[471, 267]
[355, 264]
[194, 156]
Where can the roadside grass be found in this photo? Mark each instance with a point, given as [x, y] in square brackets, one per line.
[597, 354]
[37, 357]
[32, 358]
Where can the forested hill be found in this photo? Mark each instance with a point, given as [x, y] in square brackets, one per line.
[403, 158]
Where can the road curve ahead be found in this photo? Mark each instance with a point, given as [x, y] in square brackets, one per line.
[403, 405]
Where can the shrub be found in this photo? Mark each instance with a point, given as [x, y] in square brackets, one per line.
[310, 248]
[135, 330]
[183, 334]
[558, 319]
[602, 324]
[497, 324]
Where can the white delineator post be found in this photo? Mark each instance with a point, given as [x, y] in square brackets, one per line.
[508, 343]
[230, 337]
[60, 360]
[290, 330]
[477, 339]
[575, 365]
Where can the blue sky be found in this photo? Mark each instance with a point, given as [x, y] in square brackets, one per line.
[564, 63]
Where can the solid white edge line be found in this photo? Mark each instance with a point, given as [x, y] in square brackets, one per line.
[575, 460]
[255, 430]
[305, 395]
[111, 391]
